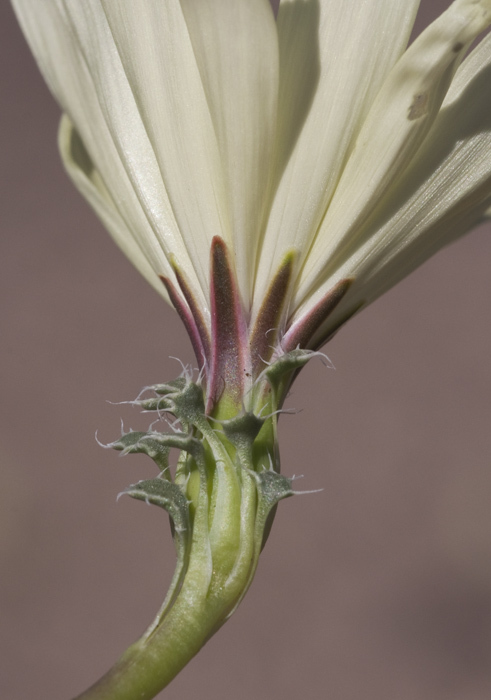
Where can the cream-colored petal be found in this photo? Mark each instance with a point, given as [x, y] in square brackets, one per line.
[334, 56]
[152, 42]
[90, 184]
[235, 43]
[398, 122]
[445, 192]
[112, 132]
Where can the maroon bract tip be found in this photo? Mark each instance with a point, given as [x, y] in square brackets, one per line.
[196, 313]
[229, 358]
[271, 317]
[187, 318]
[301, 333]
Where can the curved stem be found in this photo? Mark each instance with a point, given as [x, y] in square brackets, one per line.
[150, 664]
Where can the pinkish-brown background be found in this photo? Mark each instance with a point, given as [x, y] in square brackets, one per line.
[377, 588]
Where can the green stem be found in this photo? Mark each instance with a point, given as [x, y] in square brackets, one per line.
[150, 664]
[212, 587]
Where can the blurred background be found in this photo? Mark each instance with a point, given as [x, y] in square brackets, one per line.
[377, 588]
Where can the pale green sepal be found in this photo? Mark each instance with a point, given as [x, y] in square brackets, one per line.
[183, 399]
[157, 446]
[242, 431]
[272, 488]
[175, 385]
[141, 443]
[158, 403]
[166, 495]
[184, 442]
[281, 371]
[284, 364]
[189, 404]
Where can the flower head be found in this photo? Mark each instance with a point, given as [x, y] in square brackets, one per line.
[314, 155]
[270, 177]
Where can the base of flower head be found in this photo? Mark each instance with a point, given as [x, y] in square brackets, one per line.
[224, 488]
[227, 480]
[234, 349]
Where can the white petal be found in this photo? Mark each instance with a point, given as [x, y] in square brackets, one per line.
[400, 118]
[334, 56]
[235, 43]
[100, 103]
[158, 64]
[445, 192]
[90, 184]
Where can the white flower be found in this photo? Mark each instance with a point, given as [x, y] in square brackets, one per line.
[314, 144]
[270, 177]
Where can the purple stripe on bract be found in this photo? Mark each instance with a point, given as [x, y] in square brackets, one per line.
[271, 317]
[196, 314]
[300, 334]
[187, 318]
[229, 367]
